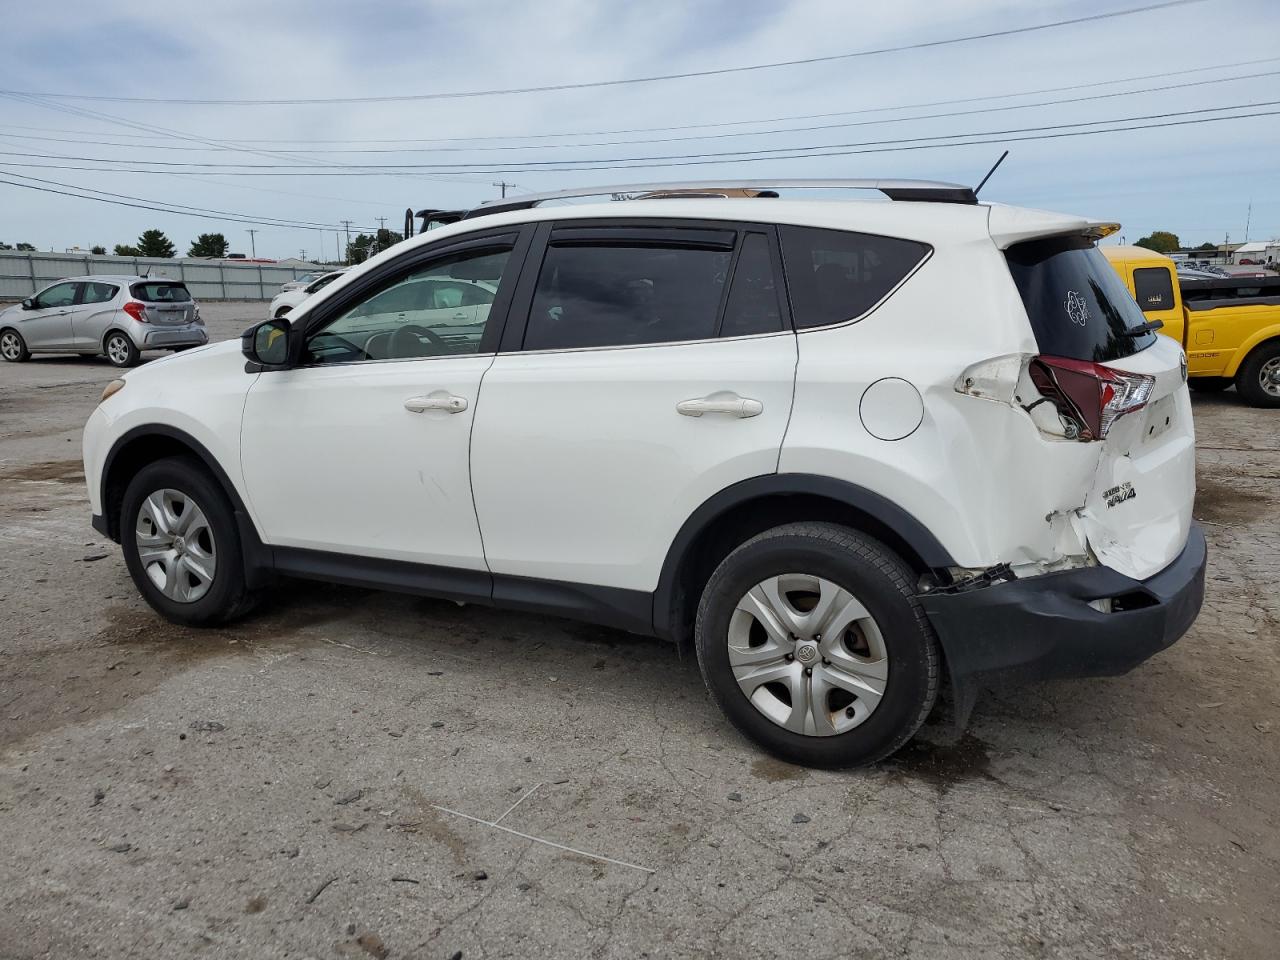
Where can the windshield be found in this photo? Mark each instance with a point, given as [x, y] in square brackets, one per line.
[1078, 306]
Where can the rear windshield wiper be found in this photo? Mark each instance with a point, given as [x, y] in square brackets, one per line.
[1149, 327]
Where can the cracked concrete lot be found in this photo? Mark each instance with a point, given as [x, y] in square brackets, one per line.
[295, 785]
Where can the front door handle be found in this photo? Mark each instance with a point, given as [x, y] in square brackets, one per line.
[729, 404]
[449, 404]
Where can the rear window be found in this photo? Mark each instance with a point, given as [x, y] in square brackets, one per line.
[1078, 306]
[1153, 288]
[161, 291]
[835, 275]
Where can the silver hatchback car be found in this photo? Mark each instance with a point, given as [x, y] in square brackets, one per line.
[115, 316]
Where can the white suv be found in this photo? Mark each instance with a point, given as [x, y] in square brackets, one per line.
[864, 455]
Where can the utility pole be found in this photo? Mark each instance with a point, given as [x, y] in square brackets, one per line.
[347, 225]
[502, 184]
[1248, 219]
[253, 247]
[382, 223]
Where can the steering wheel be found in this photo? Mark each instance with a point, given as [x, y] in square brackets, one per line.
[406, 341]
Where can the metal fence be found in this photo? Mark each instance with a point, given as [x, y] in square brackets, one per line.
[22, 274]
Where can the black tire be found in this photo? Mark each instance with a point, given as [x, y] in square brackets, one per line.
[1209, 384]
[120, 350]
[1261, 362]
[227, 597]
[884, 585]
[14, 347]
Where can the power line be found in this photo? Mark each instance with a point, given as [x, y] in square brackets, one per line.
[706, 125]
[993, 137]
[722, 71]
[144, 206]
[533, 165]
[716, 136]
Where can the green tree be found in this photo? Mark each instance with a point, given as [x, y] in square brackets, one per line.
[126, 250]
[1161, 241]
[365, 245]
[6, 246]
[99, 251]
[209, 245]
[153, 243]
[1207, 246]
[27, 247]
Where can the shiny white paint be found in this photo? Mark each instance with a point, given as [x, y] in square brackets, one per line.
[584, 469]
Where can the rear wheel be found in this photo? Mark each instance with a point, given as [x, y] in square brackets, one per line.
[1258, 379]
[1209, 384]
[12, 347]
[810, 639]
[181, 545]
[120, 350]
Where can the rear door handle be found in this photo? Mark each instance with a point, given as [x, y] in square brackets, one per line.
[729, 404]
[449, 404]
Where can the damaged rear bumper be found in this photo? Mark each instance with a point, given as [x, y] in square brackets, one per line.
[1044, 627]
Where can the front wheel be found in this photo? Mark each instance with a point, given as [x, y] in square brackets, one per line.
[12, 347]
[181, 545]
[1258, 379]
[120, 350]
[810, 639]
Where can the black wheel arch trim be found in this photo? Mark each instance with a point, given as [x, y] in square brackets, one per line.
[914, 533]
[258, 559]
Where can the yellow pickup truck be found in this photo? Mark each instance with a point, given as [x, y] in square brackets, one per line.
[1229, 326]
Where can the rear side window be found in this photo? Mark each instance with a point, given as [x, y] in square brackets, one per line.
[624, 294]
[1153, 288]
[1078, 306]
[97, 292]
[753, 297]
[834, 275]
[161, 291]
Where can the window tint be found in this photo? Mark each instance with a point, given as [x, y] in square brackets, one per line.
[60, 295]
[323, 282]
[753, 296]
[1078, 306]
[161, 291]
[97, 293]
[835, 275]
[1153, 288]
[440, 309]
[604, 295]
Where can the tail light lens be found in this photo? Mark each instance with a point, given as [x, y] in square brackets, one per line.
[1088, 395]
[136, 310]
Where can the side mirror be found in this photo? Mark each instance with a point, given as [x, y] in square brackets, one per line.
[28, 304]
[267, 344]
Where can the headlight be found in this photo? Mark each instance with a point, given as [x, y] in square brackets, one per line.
[114, 387]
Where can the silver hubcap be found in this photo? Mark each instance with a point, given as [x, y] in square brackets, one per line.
[117, 350]
[807, 654]
[10, 346]
[176, 546]
[1269, 376]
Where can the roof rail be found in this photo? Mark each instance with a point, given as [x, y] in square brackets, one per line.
[921, 190]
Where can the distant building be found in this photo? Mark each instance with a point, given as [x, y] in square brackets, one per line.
[1256, 252]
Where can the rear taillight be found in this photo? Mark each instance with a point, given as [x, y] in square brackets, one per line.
[136, 310]
[1089, 396]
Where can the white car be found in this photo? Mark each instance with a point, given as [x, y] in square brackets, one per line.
[857, 453]
[291, 295]
[305, 280]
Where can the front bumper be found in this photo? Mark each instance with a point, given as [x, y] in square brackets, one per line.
[1043, 627]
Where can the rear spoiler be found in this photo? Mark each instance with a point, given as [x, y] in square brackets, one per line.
[1010, 225]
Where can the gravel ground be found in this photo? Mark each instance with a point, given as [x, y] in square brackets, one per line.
[324, 779]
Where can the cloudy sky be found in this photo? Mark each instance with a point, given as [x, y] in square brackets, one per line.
[303, 164]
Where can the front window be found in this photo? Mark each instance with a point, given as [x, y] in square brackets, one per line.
[438, 309]
[59, 295]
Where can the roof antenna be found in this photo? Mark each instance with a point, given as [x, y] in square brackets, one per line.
[989, 173]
